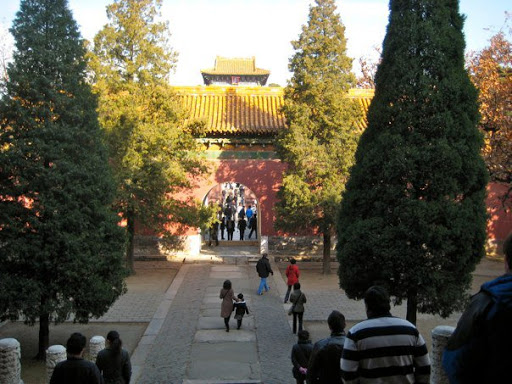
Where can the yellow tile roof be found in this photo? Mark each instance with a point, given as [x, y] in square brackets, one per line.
[238, 111]
[235, 66]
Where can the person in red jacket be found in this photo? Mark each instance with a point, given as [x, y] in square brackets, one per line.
[293, 273]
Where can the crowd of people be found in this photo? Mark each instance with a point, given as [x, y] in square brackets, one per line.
[233, 216]
[381, 349]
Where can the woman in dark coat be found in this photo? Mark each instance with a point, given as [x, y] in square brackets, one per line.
[298, 299]
[228, 296]
[114, 361]
[301, 353]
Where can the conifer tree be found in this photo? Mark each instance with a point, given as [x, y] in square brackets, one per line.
[61, 248]
[153, 153]
[413, 216]
[321, 137]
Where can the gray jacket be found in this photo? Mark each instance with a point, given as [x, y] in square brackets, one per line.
[298, 299]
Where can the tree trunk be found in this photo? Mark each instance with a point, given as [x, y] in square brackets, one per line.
[44, 336]
[130, 227]
[327, 254]
[412, 305]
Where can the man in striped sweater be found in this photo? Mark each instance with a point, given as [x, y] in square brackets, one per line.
[384, 348]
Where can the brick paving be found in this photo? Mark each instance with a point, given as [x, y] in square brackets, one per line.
[185, 342]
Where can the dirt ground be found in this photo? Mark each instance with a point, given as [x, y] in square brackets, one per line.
[156, 278]
[149, 277]
[311, 274]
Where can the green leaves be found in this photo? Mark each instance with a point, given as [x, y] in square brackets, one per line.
[60, 239]
[414, 203]
[153, 156]
[321, 139]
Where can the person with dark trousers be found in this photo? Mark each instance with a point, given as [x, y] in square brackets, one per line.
[478, 351]
[324, 364]
[222, 226]
[253, 224]
[240, 310]
[298, 299]
[230, 228]
[301, 352]
[292, 273]
[214, 234]
[264, 270]
[242, 224]
[114, 361]
[75, 369]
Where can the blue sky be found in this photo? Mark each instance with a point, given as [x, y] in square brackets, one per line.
[203, 29]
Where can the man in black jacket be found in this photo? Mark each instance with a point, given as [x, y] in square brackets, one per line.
[263, 268]
[75, 369]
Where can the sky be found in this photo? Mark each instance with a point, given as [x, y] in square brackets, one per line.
[204, 29]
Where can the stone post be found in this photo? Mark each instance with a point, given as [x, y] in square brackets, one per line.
[10, 361]
[440, 336]
[54, 355]
[96, 344]
[263, 244]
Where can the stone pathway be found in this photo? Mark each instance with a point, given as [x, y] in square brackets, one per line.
[189, 345]
[186, 343]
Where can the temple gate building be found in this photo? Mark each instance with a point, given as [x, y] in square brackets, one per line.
[242, 118]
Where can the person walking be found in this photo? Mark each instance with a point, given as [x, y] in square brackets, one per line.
[242, 224]
[228, 296]
[301, 352]
[292, 273]
[253, 224]
[213, 234]
[114, 361]
[298, 299]
[478, 351]
[324, 364]
[222, 226]
[384, 348]
[230, 227]
[75, 369]
[264, 270]
[240, 310]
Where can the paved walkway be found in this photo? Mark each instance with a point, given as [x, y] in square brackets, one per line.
[185, 341]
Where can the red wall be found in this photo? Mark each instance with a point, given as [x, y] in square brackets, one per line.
[499, 225]
[263, 177]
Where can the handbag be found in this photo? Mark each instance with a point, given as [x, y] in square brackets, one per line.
[292, 308]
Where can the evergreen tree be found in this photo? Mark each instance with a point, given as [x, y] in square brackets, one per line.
[321, 137]
[61, 245]
[413, 216]
[153, 154]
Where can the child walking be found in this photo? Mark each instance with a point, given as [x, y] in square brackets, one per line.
[240, 310]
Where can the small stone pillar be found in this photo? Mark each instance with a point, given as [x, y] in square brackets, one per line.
[440, 336]
[10, 361]
[96, 344]
[54, 355]
[263, 244]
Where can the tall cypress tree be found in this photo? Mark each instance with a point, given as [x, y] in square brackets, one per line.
[154, 156]
[321, 138]
[61, 246]
[413, 216]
